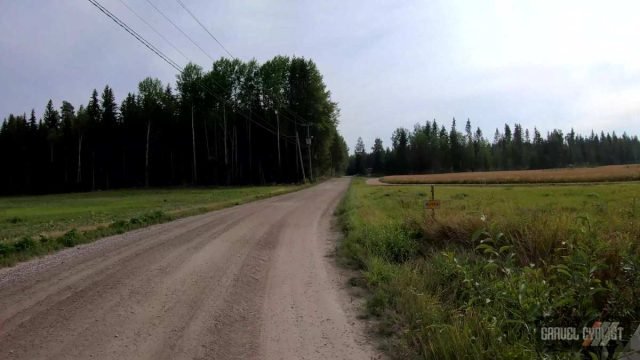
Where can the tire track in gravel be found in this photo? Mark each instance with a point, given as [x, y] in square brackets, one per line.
[249, 282]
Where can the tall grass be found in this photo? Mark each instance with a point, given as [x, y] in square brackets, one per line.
[12, 252]
[494, 266]
[37, 225]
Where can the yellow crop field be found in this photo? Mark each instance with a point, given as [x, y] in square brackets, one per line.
[564, 175]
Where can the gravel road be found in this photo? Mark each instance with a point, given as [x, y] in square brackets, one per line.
[250, 282]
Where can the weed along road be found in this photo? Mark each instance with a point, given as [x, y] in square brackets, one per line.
[248, 282]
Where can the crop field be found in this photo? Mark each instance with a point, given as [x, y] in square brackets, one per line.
[565, 175]
[32, 225]
[494, 266]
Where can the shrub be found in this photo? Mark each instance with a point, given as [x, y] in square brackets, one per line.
[25, 244]
[70, 239]
[5, 249]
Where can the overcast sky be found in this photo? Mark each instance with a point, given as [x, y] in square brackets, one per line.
[550, 64]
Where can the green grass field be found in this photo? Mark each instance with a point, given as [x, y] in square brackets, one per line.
[32, 225]
[494, 266]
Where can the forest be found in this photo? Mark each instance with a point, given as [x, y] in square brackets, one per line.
[236, 124]
[431, 148]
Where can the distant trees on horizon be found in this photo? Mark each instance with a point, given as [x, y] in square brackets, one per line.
[432, 148]
[238, 123]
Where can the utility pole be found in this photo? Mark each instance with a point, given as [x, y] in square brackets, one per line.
[309, 151]
[193, 137]
[304, 177]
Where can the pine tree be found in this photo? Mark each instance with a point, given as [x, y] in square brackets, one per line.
[51, 119]
[456, 147]
[360, 157]
[377, 157]
[33, 122]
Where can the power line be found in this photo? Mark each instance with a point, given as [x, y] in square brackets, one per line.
[154, 29]
[204, 27]
[170, 61]
[177, 67]
[287, 110]
[180, 29]
[136, 35]
[193, 42]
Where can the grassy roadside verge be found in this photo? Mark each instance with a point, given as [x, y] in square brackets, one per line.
[495, 266]
[37, 225]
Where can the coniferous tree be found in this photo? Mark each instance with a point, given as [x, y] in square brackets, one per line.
[247, 123]
[377, 157]
[433, 150]
[51, 119]
[400, 150]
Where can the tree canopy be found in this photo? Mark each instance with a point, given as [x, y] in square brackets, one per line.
[430, 148]
[237, 123]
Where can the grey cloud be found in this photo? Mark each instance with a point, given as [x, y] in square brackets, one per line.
[387, 63]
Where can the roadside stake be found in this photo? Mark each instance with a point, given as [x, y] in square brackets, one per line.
[432, 204]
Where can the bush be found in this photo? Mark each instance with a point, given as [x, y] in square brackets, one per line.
[391, 242]
[154, 217]
[70, 239]
[5, 249]
[25, 244]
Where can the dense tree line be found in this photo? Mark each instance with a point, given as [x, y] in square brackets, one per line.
[434, 148]
[238, 123]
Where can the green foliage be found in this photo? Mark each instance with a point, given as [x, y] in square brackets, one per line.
[428, 149]
[494, 267]
[233, 124]
[24, 244]
[69, 239]
[5, 249]
[391, 242]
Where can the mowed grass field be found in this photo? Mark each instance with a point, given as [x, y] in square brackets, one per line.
[32, 225]
[565, 175]
[496, 265]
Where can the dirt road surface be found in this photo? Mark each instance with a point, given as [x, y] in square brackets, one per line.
[376, 181]
[248, 282]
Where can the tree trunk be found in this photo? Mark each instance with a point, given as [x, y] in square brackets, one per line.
[278, 139]
[206, 138]
[124, 164]
[232, 153]
[146, 157]
[215, 141]
[235, 152]
[250, 147]
[66, 170]
[173, 169]
[304, 177]
[193, 138]
[93, 171]
[79, 176]
[224, 124]
[308, 141]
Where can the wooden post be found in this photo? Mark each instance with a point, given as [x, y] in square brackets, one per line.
[433, 197]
